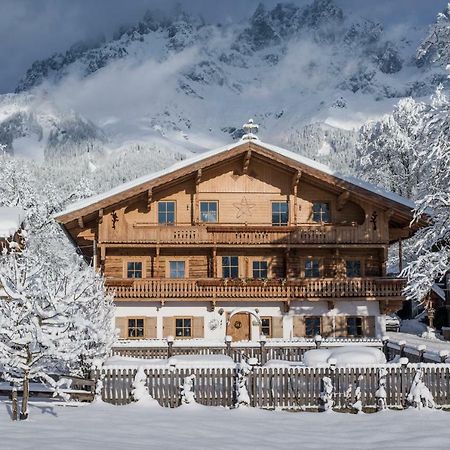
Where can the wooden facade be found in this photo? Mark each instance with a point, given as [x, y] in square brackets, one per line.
[240, 230]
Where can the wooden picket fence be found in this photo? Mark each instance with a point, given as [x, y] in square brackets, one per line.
[283, 387]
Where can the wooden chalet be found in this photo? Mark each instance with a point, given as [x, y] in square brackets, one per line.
[245, 240]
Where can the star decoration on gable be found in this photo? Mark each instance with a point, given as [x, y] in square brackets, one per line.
[244, 208]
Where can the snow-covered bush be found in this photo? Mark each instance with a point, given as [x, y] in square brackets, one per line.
[187, 390]
[242, 395]
[419, 395]
[326, 394]
[380, 393]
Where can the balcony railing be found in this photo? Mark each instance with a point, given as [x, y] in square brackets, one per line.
[245, 235]
[210, 289]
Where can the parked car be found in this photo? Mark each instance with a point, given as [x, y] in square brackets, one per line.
[392, 323]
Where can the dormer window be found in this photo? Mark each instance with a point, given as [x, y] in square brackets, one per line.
[321, 212]
[166, 213]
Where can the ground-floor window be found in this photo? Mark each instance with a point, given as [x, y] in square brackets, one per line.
[135, 328]
[354, 326]
[266, 326]
[312, 326]
[183, 327]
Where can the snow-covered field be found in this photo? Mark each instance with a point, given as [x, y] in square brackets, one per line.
[102, 426]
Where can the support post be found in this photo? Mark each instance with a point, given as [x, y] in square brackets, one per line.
[94, 255]
[400, 255]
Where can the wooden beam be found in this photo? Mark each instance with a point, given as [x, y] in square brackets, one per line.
[149, 199]
[246, 162]
[100, 215]
[80, 222]
[342, 200]
[294, 195]
[296, 178]
[196, 212]
[389, 213]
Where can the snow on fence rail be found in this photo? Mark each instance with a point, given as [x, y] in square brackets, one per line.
[289, 350]
[283, 387]
[416, 354]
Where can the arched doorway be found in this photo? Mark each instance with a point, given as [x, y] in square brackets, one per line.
[239, 324]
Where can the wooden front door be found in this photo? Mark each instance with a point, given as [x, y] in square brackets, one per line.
[239, 327]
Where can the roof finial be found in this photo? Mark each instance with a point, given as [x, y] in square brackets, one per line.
[250, 129]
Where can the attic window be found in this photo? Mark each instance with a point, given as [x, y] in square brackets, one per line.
[321, 212]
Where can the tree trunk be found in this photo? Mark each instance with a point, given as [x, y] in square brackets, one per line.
[25, 396]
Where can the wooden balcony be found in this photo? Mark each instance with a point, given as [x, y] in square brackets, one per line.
[210, 289]
[230, 235]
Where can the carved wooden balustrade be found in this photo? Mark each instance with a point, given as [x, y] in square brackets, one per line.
[244, 235]
[210, 289]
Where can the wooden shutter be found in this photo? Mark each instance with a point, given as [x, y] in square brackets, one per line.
[150, 328]
[341, 326]
[277, 327]
[327, 326]
[369, 326]
[168, 326]
[122, 325]
[299, 326]
[198, 328]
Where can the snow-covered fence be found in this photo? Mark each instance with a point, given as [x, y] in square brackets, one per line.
[416, 354]
[287, 350]
[284, 387]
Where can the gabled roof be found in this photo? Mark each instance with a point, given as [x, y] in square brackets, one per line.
[318, 170]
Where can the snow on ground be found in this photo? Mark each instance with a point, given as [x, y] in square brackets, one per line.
[102, 426]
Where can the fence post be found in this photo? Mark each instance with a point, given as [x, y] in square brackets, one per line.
[262, 343]
[228, 344]
[443, 354]
[385, 341]
[421, 348]
[318, 340]
[403, 364]
[401, 345]
[170, 340]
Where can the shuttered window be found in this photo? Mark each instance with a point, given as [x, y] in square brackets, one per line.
[183, 327]
[135, 328]
[266, 326]
[312, 326]
[354, 326]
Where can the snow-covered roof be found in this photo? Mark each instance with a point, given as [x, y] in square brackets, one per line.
[438, 291]
[11, 219]
[203, 156]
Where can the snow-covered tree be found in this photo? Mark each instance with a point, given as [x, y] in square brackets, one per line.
[388, 149]
[432, 244]
[54, 319]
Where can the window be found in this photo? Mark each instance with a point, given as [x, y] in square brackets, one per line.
[312, 268]
[312, 326]
[280, 213]
[208, 211]
[183, 327]
[259, 269]
[266, 326]
[354, 326]
[166, 213]
[230, 267]
[321, 212]
[353, 268]
[177, 269]
[135, 328]
[134, 269]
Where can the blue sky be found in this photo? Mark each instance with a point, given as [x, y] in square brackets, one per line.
[35, 29]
